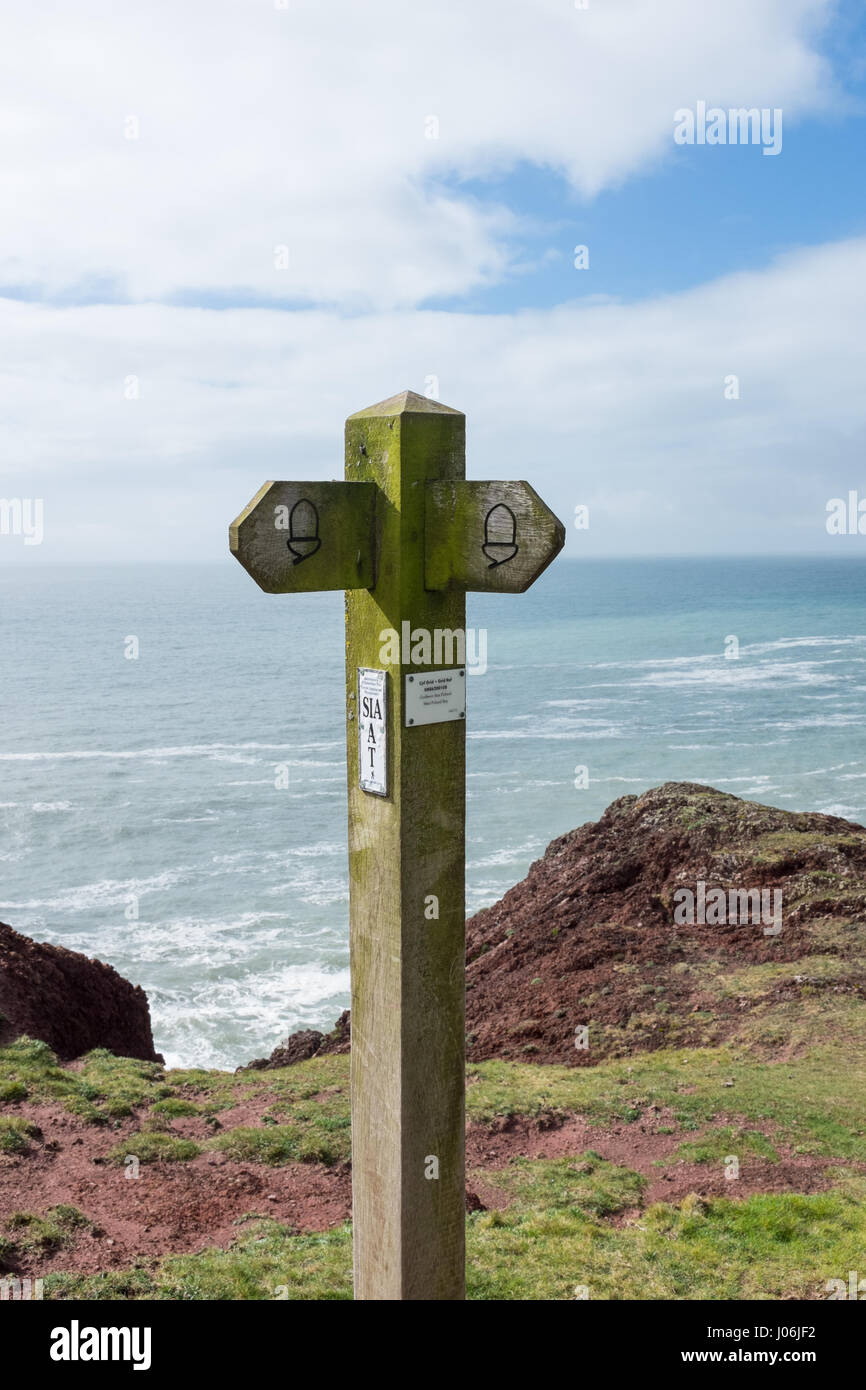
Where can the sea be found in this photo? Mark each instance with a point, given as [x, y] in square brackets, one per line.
[172, 771]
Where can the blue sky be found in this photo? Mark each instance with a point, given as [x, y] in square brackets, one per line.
[226, 228]
[686, 220]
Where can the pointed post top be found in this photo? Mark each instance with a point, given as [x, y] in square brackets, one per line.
[406, 403]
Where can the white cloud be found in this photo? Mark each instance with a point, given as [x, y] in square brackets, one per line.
[305, 127]
[618, 406]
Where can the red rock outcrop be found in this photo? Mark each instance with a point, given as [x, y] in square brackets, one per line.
[590, 938]
[69, 1001]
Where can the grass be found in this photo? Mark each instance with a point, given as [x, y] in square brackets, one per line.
[57, 1227]
[553, 1242]
[816, 1099]
[719, 1144]
[106, 1087]
[150, 1146]
[174, 1108]
[764, 1247]
[279, 1144]
[583, 1185]
[266, 1261]
[110, 1285]
[815, 1102]
[217, 1091]
[777, 846]
[569, 1224]
[15, 1134]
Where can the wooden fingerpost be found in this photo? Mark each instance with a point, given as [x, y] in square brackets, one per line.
[405, 535]
[406, 867]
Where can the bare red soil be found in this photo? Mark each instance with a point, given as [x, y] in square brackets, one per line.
[189, 1206]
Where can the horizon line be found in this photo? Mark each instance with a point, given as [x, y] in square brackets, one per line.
[92, 563]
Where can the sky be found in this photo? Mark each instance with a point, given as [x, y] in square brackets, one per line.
[229, 224]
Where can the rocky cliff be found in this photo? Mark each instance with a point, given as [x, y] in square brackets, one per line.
[69, 1001]
[598, 937]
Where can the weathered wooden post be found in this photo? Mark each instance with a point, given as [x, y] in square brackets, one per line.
[406, 536]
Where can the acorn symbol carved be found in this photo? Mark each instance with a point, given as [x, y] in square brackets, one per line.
[303, 531]
[500, 535]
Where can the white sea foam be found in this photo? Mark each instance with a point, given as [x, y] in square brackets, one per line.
[740, 675]
[730, 781]
[216, 751]
[229, 1020]
[569, 704]
[207, 819]
[316, 893]
[787, 643]
[511, 854]
[209, 945]
[825, 771]
[250, 782]
[746, 649]
[105, 893]
[545, 733]
[828, 721]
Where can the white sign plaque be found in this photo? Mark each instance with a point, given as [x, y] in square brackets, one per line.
[432, 697]
[372, 731]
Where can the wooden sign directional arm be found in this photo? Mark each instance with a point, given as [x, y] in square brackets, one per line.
[491, 536]
[297, 537]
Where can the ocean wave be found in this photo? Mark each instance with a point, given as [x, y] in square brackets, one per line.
[511, 854]
[788, 643]
[105, 893]
[224, 1022]
[734, 673]
[220, 752]
[315, 893]
[551, 735]
[829, 721]
[746, 649]
[854, 813]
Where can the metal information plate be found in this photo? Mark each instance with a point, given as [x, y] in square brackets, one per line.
[433, 697]
[372, 731]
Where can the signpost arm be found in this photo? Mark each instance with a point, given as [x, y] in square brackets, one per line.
[406, 865]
